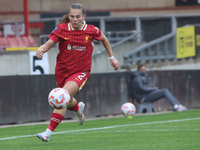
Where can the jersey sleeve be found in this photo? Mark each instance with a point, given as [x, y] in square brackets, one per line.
[54, 36]
[97, 34]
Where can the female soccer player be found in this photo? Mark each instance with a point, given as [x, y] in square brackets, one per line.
[73, 65]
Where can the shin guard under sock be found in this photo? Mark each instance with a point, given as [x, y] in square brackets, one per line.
[55, 121]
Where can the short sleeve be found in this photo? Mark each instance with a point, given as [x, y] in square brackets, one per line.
[97, 34]
[54, 34]
[54, 37]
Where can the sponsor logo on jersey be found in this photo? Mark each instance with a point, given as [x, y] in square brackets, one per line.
[76, 48]
[67, 38]
[69, 47]
[79, 48]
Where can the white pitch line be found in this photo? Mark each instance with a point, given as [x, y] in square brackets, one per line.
[103, 128]
[154, 130]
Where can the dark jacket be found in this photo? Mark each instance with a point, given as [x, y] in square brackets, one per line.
[139, 85]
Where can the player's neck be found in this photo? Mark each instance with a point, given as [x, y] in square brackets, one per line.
[78, 28]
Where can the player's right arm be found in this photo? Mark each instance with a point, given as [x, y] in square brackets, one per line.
[45, 48]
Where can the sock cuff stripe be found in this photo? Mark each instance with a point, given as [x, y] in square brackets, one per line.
[55, 120]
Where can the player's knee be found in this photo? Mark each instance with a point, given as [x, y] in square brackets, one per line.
[72, 101]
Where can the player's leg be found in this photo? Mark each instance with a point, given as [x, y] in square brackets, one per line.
[72, 85]
[56, 118]
[77, 80]
[58, 114]
[78, 108]
[74, 105]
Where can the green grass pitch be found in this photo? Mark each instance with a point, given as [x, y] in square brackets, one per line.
[165, 131]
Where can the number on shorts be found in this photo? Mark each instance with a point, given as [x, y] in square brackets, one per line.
[81, 76]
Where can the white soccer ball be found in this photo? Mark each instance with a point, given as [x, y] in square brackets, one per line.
[59, 98]
[128, 109]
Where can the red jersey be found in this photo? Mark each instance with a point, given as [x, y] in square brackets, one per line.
[75, 46]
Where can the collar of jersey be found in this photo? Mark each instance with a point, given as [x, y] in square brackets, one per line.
[82, 28]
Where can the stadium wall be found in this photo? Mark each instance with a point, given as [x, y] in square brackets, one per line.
[13, 10]
[24, 98]
[19, 62]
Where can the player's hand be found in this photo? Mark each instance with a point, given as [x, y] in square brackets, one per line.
[39, 53]
[115, 63]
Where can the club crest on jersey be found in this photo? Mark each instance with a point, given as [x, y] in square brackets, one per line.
[69, 47]
[56, 28]
[86, 39]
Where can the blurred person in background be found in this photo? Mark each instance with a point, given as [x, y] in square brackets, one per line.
[73, 64]
[143, 93]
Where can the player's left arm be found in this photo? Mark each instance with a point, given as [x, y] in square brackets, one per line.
[113, 61]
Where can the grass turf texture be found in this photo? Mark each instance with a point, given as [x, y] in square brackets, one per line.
[148, 132]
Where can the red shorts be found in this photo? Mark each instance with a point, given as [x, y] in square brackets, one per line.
[80, 78]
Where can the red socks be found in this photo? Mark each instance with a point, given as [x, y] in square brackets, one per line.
[57, 118]
[55, 121]
[75, 108]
